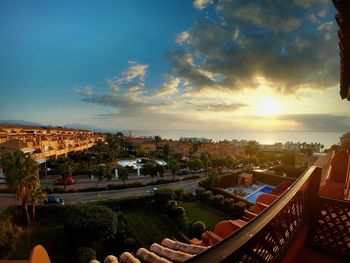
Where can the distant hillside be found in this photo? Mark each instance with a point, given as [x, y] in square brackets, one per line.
[20, 122]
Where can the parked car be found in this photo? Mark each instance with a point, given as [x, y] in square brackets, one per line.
[152, 190]
[60, 181]
[198, 171]
[52, 199]
[182, 172]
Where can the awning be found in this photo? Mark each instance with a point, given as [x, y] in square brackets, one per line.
[27, 150]
[41, 160]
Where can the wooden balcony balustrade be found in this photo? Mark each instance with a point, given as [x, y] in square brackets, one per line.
[269, 236]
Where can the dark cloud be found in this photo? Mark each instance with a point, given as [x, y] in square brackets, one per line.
[320, 122]
[221, 107]
[272, 39]
[125, 105]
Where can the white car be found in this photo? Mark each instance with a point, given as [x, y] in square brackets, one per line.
[154, 189]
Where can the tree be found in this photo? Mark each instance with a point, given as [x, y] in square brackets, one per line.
[230, 161]
[36, 197]
[101, 171]
[166, 151]
[149, 169]
[123, 174]
[159, 170]
[251, 149]
[173, 166]
[195, 147]
[66, 168]
[114, 147]
[157, 139]
[22, 175]
[194, 164]
[100, 148]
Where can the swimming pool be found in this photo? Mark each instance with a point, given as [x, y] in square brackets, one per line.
[263, 190]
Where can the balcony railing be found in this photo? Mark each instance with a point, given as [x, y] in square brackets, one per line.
[331, 230]
[268, 237]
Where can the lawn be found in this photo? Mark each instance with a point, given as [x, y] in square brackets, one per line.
[48, 232]
[197, 211]
[148, 226]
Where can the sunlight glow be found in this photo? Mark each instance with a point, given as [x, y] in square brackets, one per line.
[268, 106]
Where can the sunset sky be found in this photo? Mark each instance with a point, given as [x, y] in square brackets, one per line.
[165, 64]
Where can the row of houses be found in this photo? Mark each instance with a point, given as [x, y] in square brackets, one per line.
[41, 143]
[280, 147]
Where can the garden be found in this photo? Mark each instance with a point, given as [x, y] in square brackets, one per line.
[78, 233]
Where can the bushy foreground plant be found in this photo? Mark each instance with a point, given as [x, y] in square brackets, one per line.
[90, 223]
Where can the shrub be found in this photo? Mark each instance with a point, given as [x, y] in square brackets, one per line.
[84, 254]
[124, 203]
[163, 196]
[227, 194]
[130, 241]
[93, 189]
[90, 223]
[212, 181]
[228, 204]
[197, 229]
[45, 211]
[178, 211]
[8, 234]
[187, 196]
[178, 192]
[190, 177]
[199, 191]
[219, 200]
[206, 195]
[271, 179]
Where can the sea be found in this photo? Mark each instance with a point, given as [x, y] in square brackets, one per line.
[264, 137]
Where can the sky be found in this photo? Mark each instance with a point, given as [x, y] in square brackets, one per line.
[168, 65]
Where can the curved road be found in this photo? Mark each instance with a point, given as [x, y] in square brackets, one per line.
[7, 200]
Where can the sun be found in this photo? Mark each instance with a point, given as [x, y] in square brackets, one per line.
[268, 106]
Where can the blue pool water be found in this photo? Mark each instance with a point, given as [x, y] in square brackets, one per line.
[263, 190]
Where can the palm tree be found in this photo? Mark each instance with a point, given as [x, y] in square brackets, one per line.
[22, 175]
[36, 197]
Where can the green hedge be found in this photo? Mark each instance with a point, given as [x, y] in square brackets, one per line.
[271, 179]
[227, 194]
[228, 180]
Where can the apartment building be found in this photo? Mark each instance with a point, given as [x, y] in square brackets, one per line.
[43, 142]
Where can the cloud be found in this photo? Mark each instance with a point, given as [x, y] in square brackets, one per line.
[320, 122]
[326, 26]
[270, 39]
[201, 4]
[182, 37]
[221, 107]
[135, 71]
[259, 15]
[169, 88]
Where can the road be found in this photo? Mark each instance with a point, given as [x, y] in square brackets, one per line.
[189, 185]
[7, 200]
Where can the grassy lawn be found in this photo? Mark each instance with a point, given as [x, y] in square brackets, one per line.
[48, 232]
[148, 226]
[197, 211]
